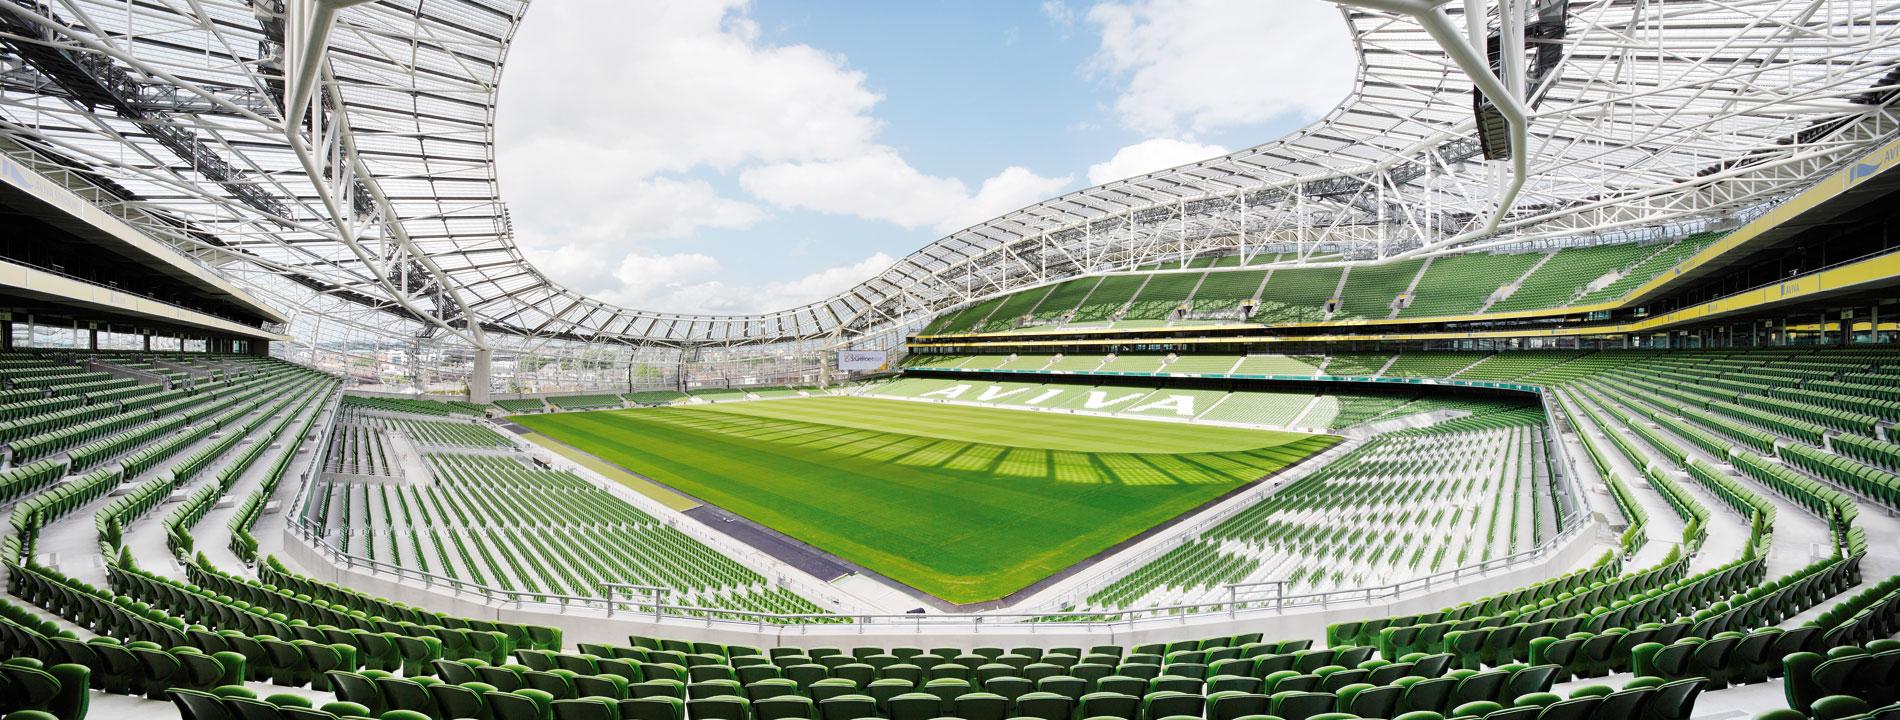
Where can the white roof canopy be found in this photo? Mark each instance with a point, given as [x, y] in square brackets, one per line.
[381, 190]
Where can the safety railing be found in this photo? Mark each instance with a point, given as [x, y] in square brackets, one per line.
[1244, 601]
[1100, 576]
[1266, 598]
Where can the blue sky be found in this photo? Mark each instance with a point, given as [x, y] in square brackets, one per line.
[734, 156]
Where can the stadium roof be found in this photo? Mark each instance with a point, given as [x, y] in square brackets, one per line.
[377, 188]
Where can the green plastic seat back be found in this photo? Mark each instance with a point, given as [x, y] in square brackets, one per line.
[770, 688]
[718, 707]
[606, 686]
[1433, 695]
[1169, 703]
[981, 706]
[1044, 705]
[1487, 685]
[1238, 705]
[504, 679]
[1009, 686]
[883, 689]
[1533, 679]
[1298, 705]
[847, 707]
[652, 708]
[915, 706]
[456, 701]
[1625, 703]
[1573, 709]
[1072, 688]
[783, 706]
[1380, 701]
[754, 673]
[553, 683]
[1674, 701]
[197, 705]
[400, 694]
[586, 709]
[511, 706]
[658, 689]
[1110, 704]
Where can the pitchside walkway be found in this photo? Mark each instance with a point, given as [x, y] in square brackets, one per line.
[659, 493]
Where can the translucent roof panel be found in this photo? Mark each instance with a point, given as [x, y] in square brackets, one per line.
[1642, 116]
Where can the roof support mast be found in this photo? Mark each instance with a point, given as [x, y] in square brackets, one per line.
[1470, 58]
[318, 131]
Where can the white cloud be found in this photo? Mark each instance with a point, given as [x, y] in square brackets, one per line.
[1060, 15]
[879, 185]
[694, 283]
[610, 109]
[1194, 66]
[673, 86]
[585, 228]
[1150, 155]
[663, 269]
[824, 283]
[1010, 189]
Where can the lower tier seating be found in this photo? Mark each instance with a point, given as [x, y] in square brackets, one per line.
[1650, 630]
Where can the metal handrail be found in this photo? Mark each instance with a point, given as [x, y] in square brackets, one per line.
[713, 616]
[1572, 522]
[1101, 576]
[114, 288]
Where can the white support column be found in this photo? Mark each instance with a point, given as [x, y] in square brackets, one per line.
[478, 376]
[1511, 30]
[307, 25]
[416, 382]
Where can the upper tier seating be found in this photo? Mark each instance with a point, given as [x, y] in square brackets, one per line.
[1457, 284]
[1065, 298]
[1296, 295]
[522, 405]
[584, 402]
[1268, 407]
[965, 320]
[654, 397]
[1164, 294]
[1461, 284]
[1371, 289]
[1649, 268]
[1222, 293]
[412, 405]
[773, 392]
[1013, 310]
[1108, 297]
[1566, 273]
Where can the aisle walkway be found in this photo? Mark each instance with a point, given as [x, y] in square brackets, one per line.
[1662, 528]
[1800, 538]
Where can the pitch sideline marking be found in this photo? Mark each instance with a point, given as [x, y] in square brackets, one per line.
[659, 493]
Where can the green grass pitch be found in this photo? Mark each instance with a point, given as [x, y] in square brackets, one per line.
[965, 503]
